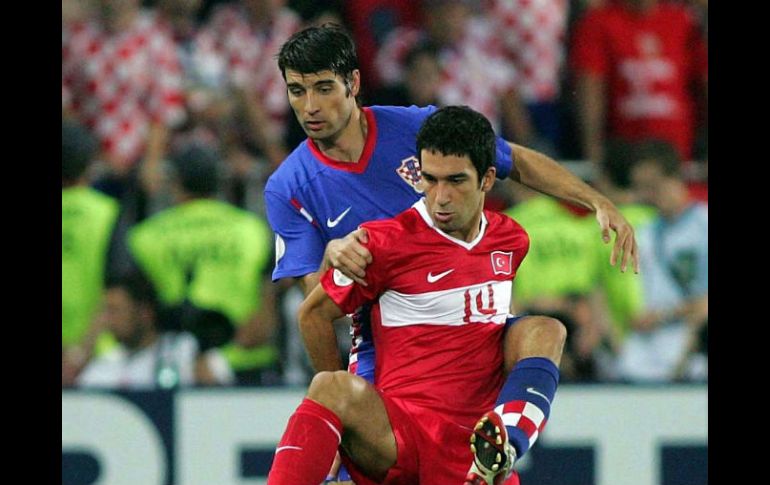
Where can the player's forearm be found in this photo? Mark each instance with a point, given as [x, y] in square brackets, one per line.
[316, 316]
[156, 144]
[321, 344]
[545, 175]
[591, 106]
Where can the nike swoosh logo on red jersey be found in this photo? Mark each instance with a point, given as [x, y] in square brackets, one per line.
[433, 278]
[332, 223]
[281, 448]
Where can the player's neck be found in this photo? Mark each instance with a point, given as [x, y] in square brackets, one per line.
[142, 342]
[471, 232]
[349, 145]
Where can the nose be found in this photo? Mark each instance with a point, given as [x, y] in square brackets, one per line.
[443, 193]
[311, 107]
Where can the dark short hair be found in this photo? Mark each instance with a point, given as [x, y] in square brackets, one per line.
[78, 148]
[621, 155]
[197, 170]
[425, 47]
[328, 47]
[660, 153]
[137, 285]
[461, 131]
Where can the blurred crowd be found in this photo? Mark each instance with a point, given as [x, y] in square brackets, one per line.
[174, 114]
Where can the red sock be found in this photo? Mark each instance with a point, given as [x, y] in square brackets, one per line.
[308, 446]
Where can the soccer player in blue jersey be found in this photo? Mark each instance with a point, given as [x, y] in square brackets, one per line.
[359, 164]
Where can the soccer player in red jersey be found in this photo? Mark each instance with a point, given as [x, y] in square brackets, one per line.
[440, 287]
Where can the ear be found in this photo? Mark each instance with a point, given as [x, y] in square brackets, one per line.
[355, 85]
[488, 180]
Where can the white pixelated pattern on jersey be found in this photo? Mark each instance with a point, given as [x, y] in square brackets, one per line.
[534, 33]
[476, 74]
[249, 52]
[118, 84]
[410, 171]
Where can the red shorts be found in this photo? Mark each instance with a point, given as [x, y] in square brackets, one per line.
[432, 450]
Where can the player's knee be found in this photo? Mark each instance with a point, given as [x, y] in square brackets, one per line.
[554, 330]
[332, 390]
[539, 334]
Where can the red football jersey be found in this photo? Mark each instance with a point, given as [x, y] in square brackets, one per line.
[650, 61]
[439, 309]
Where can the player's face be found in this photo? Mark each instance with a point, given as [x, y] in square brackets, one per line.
[654, 187]
[323, 102]
[120, 313]
[453, 193]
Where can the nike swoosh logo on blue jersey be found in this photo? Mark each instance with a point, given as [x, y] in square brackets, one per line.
[332, 223]
[532, 390]
[433, 279]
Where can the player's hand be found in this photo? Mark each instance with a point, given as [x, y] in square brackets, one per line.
[338, 475]
[625, 247]
[349, 255]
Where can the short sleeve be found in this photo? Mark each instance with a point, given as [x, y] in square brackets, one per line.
[299, 247]
[503, 158]
[349, 295]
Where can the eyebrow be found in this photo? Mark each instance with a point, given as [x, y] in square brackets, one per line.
[322, 82]
[451, 176]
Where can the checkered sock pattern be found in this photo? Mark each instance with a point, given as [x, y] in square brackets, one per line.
[525, 401]
[308, 446]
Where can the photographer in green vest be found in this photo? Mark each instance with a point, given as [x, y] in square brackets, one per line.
[89, 219]
[209, 263]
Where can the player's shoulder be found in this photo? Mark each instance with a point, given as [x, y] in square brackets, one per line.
[157, 223]
[699, 213]
[236, 214]
[502, 219]
[388, 232]
[505, 226]
[296, 169]
[400, 117]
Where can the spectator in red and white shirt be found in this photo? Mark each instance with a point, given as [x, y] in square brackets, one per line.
[474, 70]
[206, 100]
[122, 79]
[247, 35]
[533, 34]
[636, 62]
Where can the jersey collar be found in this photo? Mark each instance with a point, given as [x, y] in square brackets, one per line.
[422, 209]
[363, 162]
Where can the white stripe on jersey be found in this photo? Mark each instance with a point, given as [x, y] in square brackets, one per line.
[454, 307]
[306, 214]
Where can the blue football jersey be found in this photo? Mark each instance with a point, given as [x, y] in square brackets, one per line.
[311, 199]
